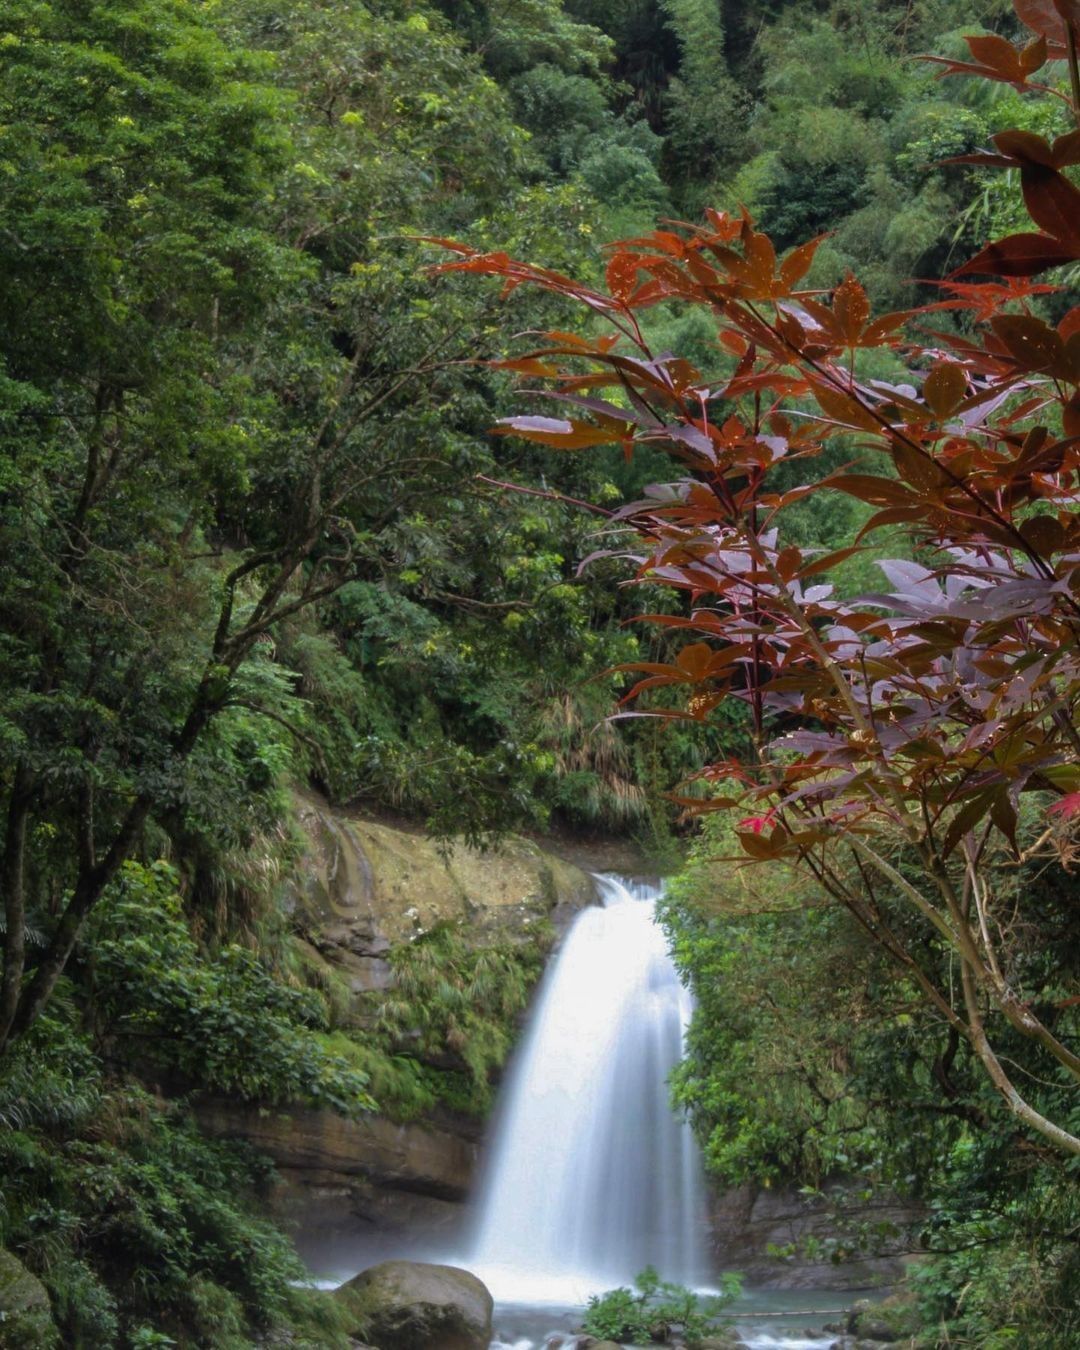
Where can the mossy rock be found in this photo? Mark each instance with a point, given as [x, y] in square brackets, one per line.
[366, 883]
[408, 1305]
[25, 1313]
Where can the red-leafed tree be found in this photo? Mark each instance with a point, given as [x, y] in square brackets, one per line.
[896, 733]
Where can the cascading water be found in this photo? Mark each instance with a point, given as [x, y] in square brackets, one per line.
[591, 1176]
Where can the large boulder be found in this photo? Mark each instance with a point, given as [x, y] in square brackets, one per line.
[25, 1314]
[407, 1305]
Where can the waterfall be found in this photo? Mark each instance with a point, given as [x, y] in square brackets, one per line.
[590, 1175]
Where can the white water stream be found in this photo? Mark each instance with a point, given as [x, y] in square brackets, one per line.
[591, 1176]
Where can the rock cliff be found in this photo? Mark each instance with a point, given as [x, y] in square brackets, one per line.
[365, 885]
[362, 887]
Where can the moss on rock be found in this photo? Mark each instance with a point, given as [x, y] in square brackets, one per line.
[26, 1321]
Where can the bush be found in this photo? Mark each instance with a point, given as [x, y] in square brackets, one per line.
[142, 1231]
[225, 1022]
[657, 1311]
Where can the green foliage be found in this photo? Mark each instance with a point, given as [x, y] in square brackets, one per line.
[133, 137]
[217, 356]
[514, 34]
[221, 1020]
[455, 1008]
[1004, 1272]
[213, 328]
[143, 1232]
[768, 963]
[810, 1062]
[656, 1310]
[706, 109]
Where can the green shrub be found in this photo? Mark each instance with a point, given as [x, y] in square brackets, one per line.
[224, 1021]
[454, 1011]
[142, 1231]
[657, 1311]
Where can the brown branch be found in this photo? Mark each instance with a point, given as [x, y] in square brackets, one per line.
[548, 495]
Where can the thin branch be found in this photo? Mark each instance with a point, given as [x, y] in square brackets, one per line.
[547, 495]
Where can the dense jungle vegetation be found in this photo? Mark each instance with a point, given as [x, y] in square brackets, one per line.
[255, 537]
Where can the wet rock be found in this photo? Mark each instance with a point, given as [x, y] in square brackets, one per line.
[875, 1329]
[367, 885]
[25, 1313]
[857, 1310]
[407, 1305]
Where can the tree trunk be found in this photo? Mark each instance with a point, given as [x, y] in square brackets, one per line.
[13, 879]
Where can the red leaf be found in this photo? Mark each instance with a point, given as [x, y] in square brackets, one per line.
[944, 388]
[695, 660]
[1052, 202]
[1020, 255]
[843, 409]
[1070, 12]
[1067, 807]
[1018, 78]
[622, 273]
[797, 263]
[559, 433]
[1043, 17]
[1033, 57]
[1034, 345]
[1025, 147]
[1045, 534]
[1066, 149]
[966, 819]
[881, 329]
[998, 55]
[876, 491]
[1003, 814]
[1070, 416]
[829, 560]
[851, 308]
[755, 824]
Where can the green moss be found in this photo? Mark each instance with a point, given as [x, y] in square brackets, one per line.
[25, 1318]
